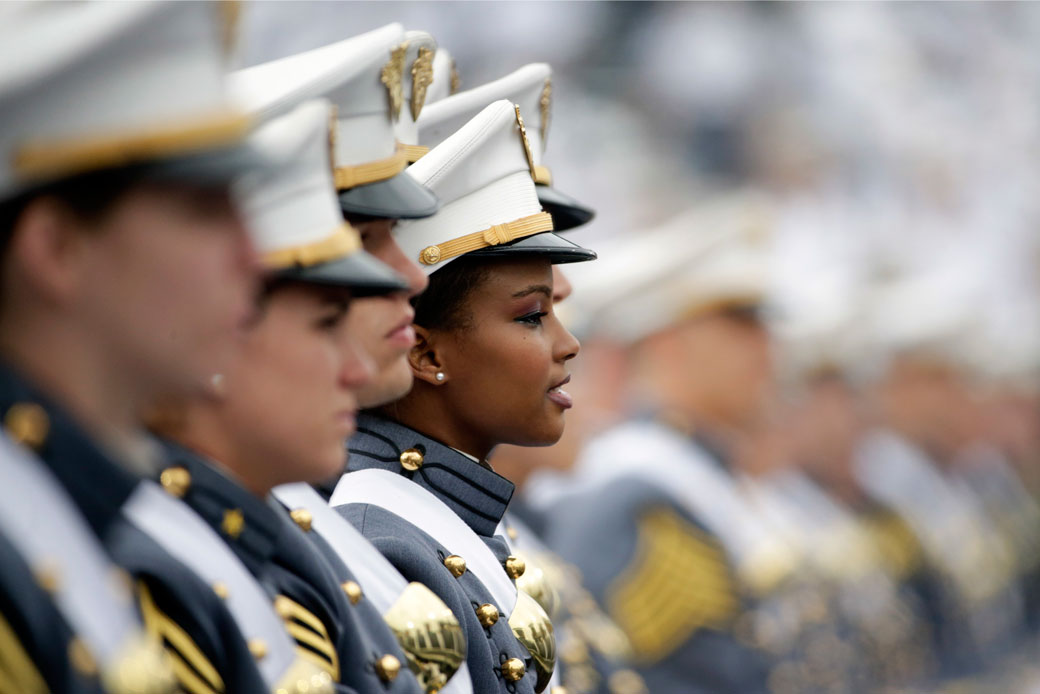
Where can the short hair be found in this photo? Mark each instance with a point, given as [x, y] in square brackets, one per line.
[443, 305]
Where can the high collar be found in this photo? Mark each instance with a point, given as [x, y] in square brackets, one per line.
[478, 495]
[250, 525]
[97, 483]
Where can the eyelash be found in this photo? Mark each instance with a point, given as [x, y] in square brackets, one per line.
[330, 322]
[534, 318]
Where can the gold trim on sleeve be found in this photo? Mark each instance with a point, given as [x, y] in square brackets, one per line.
[492, 236]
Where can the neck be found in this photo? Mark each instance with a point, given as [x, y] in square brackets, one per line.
[424, 410]
[81, 375]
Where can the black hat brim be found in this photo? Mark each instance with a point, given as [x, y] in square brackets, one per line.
[557, 249]
[567, 213]
[399, 197]
[360, 272]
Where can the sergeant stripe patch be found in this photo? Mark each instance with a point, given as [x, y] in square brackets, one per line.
[312, 638]
[195, 673]
[678, 582]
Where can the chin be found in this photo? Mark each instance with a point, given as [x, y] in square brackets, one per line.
[390, 386]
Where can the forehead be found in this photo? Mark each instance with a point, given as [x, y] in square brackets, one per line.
[510, 276]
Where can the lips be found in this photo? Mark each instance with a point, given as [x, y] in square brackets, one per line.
[561, 397]
[403, 334]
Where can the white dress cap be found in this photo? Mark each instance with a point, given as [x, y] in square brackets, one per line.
[293, 213]
[483, 176]
[416, 81]
[90, 86]
[530, 88]
[363, 77]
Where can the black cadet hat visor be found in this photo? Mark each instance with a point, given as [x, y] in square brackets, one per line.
[556, 248]
[567, 213]
[360, 272]
[398, 197]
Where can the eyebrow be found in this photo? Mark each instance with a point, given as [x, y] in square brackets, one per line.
[534, 289]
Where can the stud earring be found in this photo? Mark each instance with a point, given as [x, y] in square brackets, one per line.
[439, 376]
[216, 383]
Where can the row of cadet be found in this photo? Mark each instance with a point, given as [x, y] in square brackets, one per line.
[207, 276]
[834, 494]
[213, 281]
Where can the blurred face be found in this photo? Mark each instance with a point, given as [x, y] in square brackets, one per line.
[506, 371]
[728, 359]
[827, 427]
[931, 403]
[165, 279]
[383, 325]
[289, 400]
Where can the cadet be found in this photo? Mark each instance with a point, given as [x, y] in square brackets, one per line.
[113, 193]
[590, 643]
[417, 462]
[657, 527]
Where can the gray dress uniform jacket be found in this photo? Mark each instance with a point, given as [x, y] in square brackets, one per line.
[479, 497]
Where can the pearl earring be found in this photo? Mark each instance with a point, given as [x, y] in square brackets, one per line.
[439, 376]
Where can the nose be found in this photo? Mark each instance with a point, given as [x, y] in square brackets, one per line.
[407, 268]
[566, 345]
[358, 369]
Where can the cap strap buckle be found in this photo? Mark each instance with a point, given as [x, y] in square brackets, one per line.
[492, 236]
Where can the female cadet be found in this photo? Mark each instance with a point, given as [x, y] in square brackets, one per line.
[125, 272]
[490, 364]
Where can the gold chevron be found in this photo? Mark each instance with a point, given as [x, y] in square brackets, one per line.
[18, 673]
[311, 637]
[194, 672]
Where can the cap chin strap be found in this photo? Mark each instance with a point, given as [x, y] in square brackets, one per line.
[492, 236]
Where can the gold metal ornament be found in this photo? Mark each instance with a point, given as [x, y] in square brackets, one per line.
[422, 77]
[534, 582]
[532, 628]
[430, 255]
[545, 103]
[429, 634]
[513, 670]
[28, 424]
[142, 667]
[411, 459]
[221, 590]
[515, 566]
[487, 615]
[353, 591]
[303, 518]
[391, 76]
[233, 523]
[258, 647]
[455, 564]
[176, 481]
[388, 667]
[527, 143]
[456, 81]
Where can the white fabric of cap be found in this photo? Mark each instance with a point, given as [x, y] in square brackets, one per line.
[405, 127]
[440, 88]
[522, 87]
[481, 176]
[348, 74]
[294, 204]
[74, 71]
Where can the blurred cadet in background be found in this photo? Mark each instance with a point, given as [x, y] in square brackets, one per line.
[126, 274]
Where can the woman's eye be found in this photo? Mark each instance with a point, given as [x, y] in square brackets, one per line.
[534, 318]
[331, 322]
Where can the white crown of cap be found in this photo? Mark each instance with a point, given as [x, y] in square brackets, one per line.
[525, 87]
[416, 81]
[445, 77]
[86, 86]
[362, 77]
[292, 210]
[483, 178]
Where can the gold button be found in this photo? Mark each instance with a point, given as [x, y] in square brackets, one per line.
[456, 565]
[303, 518]
[221, 589]
[515, 567]
[28, 424]
[512, 533]
[176, 481]
[487, 614]
[513, 670]
[430, 255]
[81, 658]
[387, 668]
[353, 591]
[258, 648]
[233, 523]
[411, 460]
[48, 578]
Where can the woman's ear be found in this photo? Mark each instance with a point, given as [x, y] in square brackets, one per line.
[423, 358]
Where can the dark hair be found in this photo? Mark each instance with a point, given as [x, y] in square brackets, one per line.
[443, 305]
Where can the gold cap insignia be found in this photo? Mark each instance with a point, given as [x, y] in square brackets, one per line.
[230, 18]
[391, 77]
[527, 144]
[544, 104]
[429, 634]
[456, 82]
[422, 77]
